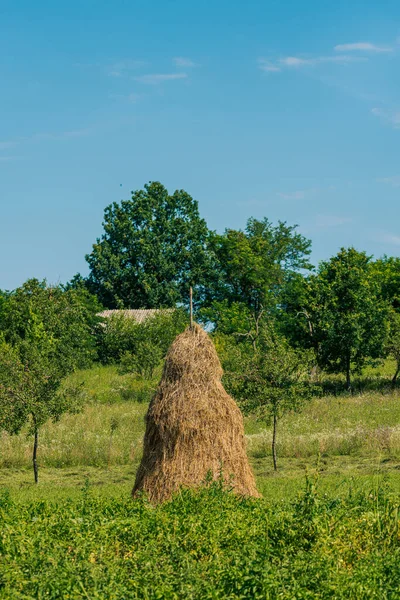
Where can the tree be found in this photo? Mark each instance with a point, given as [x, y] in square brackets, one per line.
[344, 314]
[45, 334]
[393, 342]
[252, 267]
[387, 273]
[31, 392]
[270, 380]
[65, 318]
[152, 250]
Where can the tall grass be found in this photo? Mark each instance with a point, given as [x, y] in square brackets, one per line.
[110, 429]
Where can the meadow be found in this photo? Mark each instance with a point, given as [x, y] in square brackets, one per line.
[326, 527]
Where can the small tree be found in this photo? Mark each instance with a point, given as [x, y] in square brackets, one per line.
[45, 334]
[271, 379]
[31, 393]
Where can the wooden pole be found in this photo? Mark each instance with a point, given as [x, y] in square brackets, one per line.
[191, 307]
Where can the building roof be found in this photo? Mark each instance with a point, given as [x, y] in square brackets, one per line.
[138, 314]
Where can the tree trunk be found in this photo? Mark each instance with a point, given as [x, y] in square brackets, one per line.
[35, 447]
[348, 376]
[274, 443]
[394, 380]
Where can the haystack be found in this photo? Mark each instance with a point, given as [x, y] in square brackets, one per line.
[193, 427]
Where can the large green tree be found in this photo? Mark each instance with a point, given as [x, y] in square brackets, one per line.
[152, 249]
[252, 269]
[343, 313]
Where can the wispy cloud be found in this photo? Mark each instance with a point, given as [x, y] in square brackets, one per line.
[157, 78]
[131, 98]
[362, 47]
[297, 62]
[267, 65]
[38, 137]
[393, 181]
[302, 194]
[124, 68]
[298, 195]
[386, 237]
[7, 158]
[8, 144]
[182, 62]
[327, 221]
[392, 117]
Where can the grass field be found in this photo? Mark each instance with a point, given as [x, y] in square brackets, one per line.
[79, 535]
[354, 436]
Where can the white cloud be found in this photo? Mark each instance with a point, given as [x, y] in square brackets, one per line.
[325, 221]
[298, 195]
[393, 181]
[8, 144]
[266, 65]
[123, 68]
[131, 98]
[296, 62]
[181, 61]
[389, 116]
[38, 137]
[156, 78]
[362, 47]
[388, 238]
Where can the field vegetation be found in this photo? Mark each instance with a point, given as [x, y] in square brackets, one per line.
[312, 357]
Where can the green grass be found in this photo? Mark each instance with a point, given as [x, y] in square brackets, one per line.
[356, 436]
[78, 534]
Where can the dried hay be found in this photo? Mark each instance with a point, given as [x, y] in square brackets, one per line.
[193, 427]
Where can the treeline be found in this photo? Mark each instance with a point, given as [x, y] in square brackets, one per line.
[155, 246]
[276, 319]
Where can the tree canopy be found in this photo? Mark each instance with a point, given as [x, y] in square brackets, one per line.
[344, 313]
[152, 249]
[252, 268]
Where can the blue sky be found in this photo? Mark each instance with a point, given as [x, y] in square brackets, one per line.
[287, 110]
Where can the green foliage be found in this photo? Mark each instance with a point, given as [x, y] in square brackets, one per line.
[144, 361]
[30, 391]
[253, 265]
[270, 380]
[386, 270]
[53, 321]
[207, 544]
[120, 338]
[345, 316]
[229, 318]
[152, 249]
